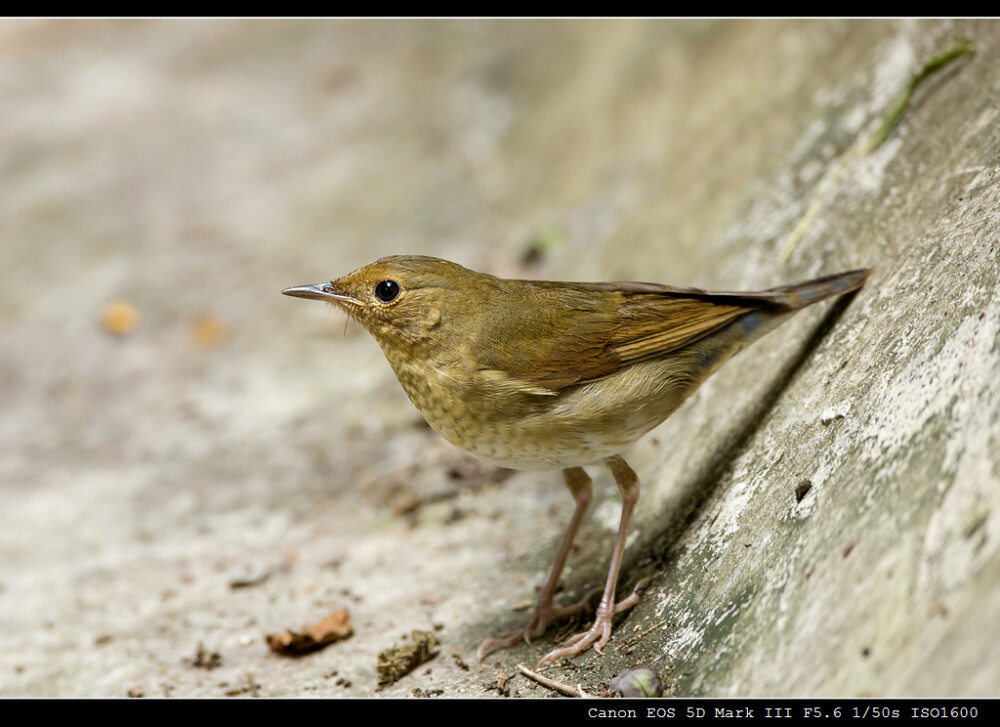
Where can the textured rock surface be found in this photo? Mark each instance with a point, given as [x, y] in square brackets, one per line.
[194, 169]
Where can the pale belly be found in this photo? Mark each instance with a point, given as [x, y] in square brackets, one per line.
[581, 425]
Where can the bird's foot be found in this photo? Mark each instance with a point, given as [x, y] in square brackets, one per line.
[544, 614]
[600, 632]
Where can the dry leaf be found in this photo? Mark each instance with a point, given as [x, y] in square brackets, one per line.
[336, 626]
[120, 317]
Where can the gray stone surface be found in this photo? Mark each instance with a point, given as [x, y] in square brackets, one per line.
[195, 168]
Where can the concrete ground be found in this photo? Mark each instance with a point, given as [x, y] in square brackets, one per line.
[188, 458]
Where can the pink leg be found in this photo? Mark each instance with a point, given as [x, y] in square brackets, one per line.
[600, 632]
[579, 486]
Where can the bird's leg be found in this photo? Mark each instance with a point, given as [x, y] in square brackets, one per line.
[600, 632]
[578, 483]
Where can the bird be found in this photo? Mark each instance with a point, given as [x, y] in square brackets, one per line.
[541, 375]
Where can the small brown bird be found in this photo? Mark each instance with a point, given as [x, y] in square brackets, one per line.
[537, 375]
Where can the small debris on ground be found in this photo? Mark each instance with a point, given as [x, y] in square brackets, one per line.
[249, 582]
[336, 626]
[249, 686]
[207, 659]
[397, 662]
[502, 684]
[637, 682]
[208, 331]
[562, 687]
[422, 694]
[120, 317]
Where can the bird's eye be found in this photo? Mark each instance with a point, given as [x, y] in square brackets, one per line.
[387, 290]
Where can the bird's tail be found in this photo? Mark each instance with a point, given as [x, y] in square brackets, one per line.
[779, 305]
[812, 291]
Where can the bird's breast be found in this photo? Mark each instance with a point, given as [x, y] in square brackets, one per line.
[575, 426]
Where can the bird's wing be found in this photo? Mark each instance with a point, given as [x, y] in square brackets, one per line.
[572, 333]
[586, 331]
[653, 325]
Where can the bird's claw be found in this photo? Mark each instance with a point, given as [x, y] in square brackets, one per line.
[544, 614]
[600, 632]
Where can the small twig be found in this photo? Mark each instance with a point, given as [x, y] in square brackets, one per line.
[558, 686]
[631, 642]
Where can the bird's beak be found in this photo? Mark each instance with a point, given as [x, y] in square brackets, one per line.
[320, 291]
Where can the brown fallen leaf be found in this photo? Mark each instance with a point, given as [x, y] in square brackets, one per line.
[397, 662]
[120, 317]
[208, 330]
[336, 626]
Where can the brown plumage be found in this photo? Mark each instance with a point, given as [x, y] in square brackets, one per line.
[539, 375]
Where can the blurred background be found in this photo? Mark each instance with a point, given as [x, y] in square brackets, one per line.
[188, 457]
